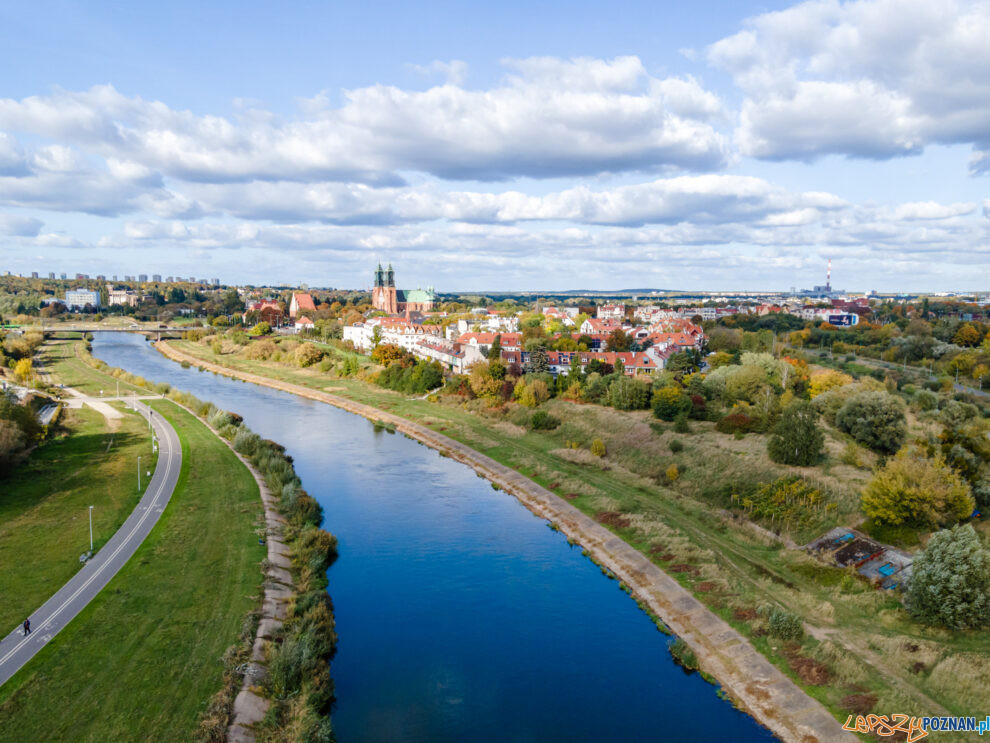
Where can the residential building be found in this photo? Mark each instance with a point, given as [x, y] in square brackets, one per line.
[157, 278]
[79, 298]
[51, 275]
[34, 274]
[142, 277]
[122, 296]
[300, 303]
[559, 362]
[611, 312]
[215, 282]
[451, 355]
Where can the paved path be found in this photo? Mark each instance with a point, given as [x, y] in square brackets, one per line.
[68, 601]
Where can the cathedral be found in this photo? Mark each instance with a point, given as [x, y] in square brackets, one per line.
[392, 301]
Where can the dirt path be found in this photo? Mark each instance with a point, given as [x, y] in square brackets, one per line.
[755, 684]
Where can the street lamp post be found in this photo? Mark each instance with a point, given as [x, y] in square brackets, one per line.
[90, 530]
[139, 473]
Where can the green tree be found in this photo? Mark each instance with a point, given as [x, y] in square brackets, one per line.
[797, 438]
[376, 336]
[874, 419]
[950, 581]
[917, 490]
[538, 361]
[628, 393]
[619, 340]
[495, 350]
[668, 402]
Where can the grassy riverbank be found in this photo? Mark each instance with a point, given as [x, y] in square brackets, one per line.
[44, 519]
[143, 659]
[861, 646]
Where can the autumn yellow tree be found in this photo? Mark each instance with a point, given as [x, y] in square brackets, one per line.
[918, 490]
[824, 381]
[24, 370]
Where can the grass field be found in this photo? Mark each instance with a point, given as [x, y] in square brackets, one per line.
[58, 357]
[142, 660]
[44, 520]
[862, 640]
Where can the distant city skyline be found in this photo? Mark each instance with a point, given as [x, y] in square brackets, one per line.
[507, 147]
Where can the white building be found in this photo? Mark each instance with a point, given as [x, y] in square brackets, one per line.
[122, 296]
[79, 298]
[611, 312]
[455, 357]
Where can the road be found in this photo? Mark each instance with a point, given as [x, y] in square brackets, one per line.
[68, 601]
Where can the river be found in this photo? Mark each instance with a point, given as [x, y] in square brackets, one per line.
[461, 616]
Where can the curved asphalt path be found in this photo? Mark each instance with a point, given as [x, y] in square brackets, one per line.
[70, 599]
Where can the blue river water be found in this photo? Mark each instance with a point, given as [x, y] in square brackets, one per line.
[461, 616]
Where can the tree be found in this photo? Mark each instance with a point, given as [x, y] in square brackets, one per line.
[874, 419]
[538, 361]
[386, 353]
[967, 335]
[495, 350]
[827, 380]
[11, 444]
[627, 393]
[797, 438]
[668, 402]
[917, 490]
[262, 328]
[619, 340]
[376, 336]
[950, 581]
[483, 384]
[680, 363]
[24, 370]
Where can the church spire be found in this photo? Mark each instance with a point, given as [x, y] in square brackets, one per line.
[379, 276]
[390, 276]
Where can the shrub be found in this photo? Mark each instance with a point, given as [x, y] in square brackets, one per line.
[669, 402]
[735, 422]
[307, 354]
[681, 423]
[874, 419]
[676, 446]
[950, 582]
[531, 393]
[262, 328]
[598, 448]
[797, 438]
[917, 490]
[781, 623]
[543, 421]
[925, 400]
[672, 473]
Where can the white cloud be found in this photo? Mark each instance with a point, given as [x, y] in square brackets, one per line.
[549, 118]
[872, 78]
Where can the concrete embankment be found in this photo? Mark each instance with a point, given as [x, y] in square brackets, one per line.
[755, 684]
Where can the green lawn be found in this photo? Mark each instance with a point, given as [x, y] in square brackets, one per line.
[142, 660]
[44, 503]
[58, 358]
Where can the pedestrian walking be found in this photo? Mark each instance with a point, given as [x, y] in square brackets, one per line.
[27, 627]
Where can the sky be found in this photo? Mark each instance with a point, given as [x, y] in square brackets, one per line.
[500, 146]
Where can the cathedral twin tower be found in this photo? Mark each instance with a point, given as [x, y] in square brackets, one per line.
[386, 298]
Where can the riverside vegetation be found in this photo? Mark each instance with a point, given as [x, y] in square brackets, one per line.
[691, 483]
